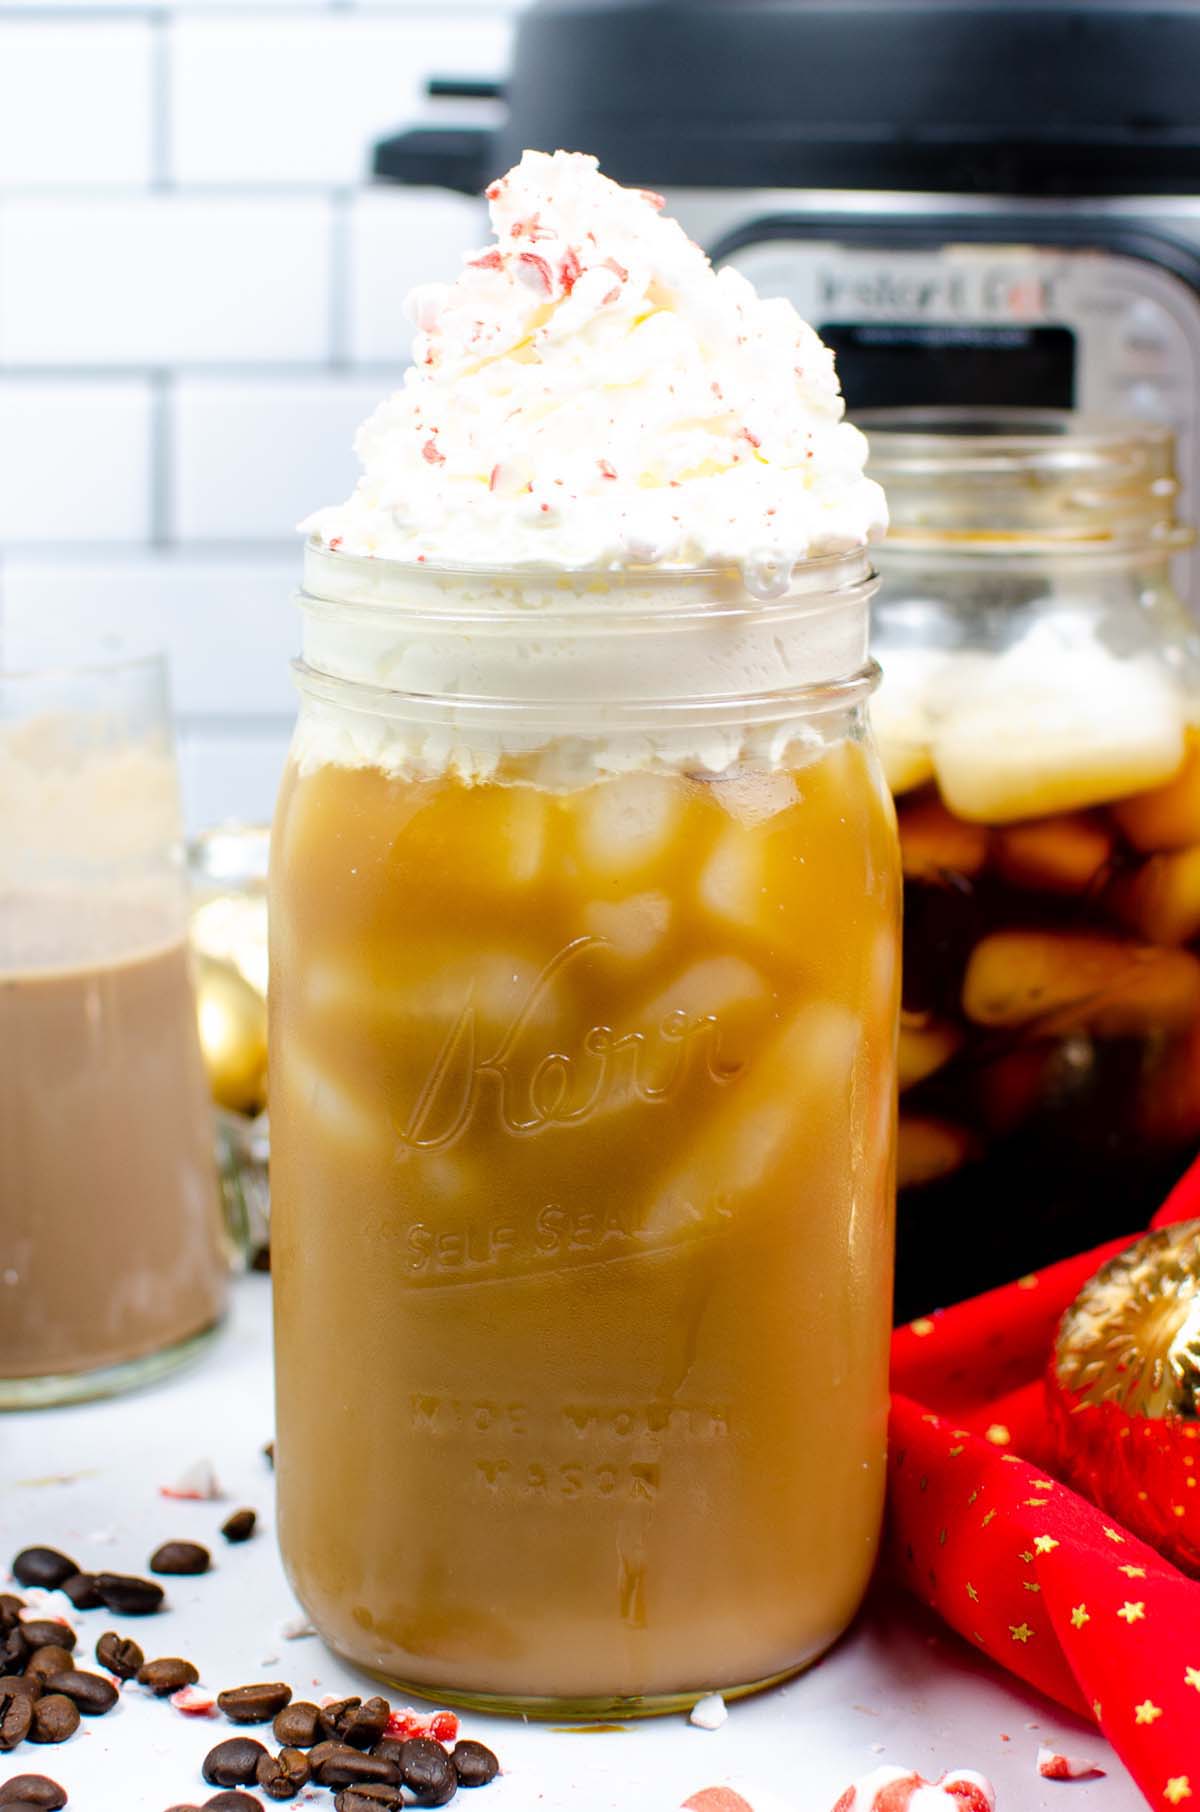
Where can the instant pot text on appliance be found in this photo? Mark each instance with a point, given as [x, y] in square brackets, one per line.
[976, 202]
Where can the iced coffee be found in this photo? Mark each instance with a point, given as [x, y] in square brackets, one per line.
[112, 1257]
[584, 981]
[1038, 722]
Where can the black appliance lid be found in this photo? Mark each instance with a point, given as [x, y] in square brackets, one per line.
[1070, 97]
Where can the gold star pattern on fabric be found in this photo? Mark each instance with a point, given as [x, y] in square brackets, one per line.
[1080, 1616]
[955, 1451]
[1043, 1484]
[1035, 1503]
[921, 1327]
[1113, 1534]
[972, 1594]
[1031, 1585]
[1096, 1711]
[1191, 1677]
[1027, 1556]
[1146, 1712]
[1028, 1282]
[1020, 1632]
[1044, 1543]
[987, 1519]
[1133, 1613]
[998, 1435]
[1177, 1789]
[1133, 1572]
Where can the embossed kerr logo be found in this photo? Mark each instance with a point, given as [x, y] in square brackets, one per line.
[477, 1072]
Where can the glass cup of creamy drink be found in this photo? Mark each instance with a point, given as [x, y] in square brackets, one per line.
[112, 1258]
[584, 975]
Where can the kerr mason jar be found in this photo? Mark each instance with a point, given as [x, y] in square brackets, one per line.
[584, 972]
[1038, 723]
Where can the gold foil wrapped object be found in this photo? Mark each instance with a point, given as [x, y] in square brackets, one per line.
[233, 1035]
[229, 936]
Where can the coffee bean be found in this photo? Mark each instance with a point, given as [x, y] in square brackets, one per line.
[254, 1704]
[10, 1609]
[14, 1650]
[428, 1772]
[297, 1726]
[239, 1526]
[35, 1790]
[93, 1694]
[368, 1799]
[334, 1718]
[29, 1684]
[16, 1717]
[81, 1590]
[166, 1675]
[119, 1654]
[233, 1763]
[233, 1802]
[43, 1567]
[55, 1718]
[341, 1766]
[364, 1726]
[49, 1660]
[129, 1596]
[43, 1630]
[474, 1763]
[282, 1776]
[184, 1557]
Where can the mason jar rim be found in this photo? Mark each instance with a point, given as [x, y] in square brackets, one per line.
[351, 584]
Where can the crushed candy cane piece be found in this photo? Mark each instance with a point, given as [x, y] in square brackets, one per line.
[197, 1483]
[899, 1789]
[442, 1726]
[295, 1629]
[709, 1713]
[1055, 1767]
[735, 1796]
[195, 1702]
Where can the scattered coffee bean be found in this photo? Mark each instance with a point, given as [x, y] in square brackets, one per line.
[334, 1718]
[428, 1772]
[233, 1763]
[298, 1725]
[129, 1596]
[239, 1526]
[81, 1590]
[41, 1631]
[16, 1716]
[49, 1660]
[43, 1567]
[474, 1763]
[55, 1718]
[341, 1766]
[119, 1654]
[35, 1790]
[14, 1650]
[282, 1776]
[254, 1704]
[29, 1684]
[233, 1802]
[92, 1693]
[10, 1609]
[166, 1675]
[369, 1798]
[183, 1557]
[365, 1725]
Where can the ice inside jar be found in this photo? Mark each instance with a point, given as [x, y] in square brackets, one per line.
[584, 977]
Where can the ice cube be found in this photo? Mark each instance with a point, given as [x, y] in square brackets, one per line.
[751, 796]
[633, 927]
[1065, 981]
[625, 824]
[928, 1148]
[1166, 817]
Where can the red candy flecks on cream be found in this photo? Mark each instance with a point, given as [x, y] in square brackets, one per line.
[900, 1790]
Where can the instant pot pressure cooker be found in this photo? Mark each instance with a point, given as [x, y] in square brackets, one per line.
[974, 201]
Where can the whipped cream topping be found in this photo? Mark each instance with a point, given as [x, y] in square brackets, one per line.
[590, 393]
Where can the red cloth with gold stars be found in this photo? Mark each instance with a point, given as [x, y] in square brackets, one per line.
[1022, 1566]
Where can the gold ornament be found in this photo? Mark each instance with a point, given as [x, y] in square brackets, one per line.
[233, 1035]
[1132, 1336]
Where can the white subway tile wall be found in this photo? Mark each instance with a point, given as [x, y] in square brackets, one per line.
[200, 298]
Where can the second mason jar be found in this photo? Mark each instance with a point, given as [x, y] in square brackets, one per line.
[584, 959]
[1037, 720]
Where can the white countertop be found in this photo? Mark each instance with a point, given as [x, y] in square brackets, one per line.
[898, 1689]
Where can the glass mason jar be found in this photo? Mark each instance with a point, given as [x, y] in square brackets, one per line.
[584, 976]
[1038, 720]
[112, 1259]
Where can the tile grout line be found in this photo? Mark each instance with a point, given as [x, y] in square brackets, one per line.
[160, 104]
[341, 201]
[162, 391]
